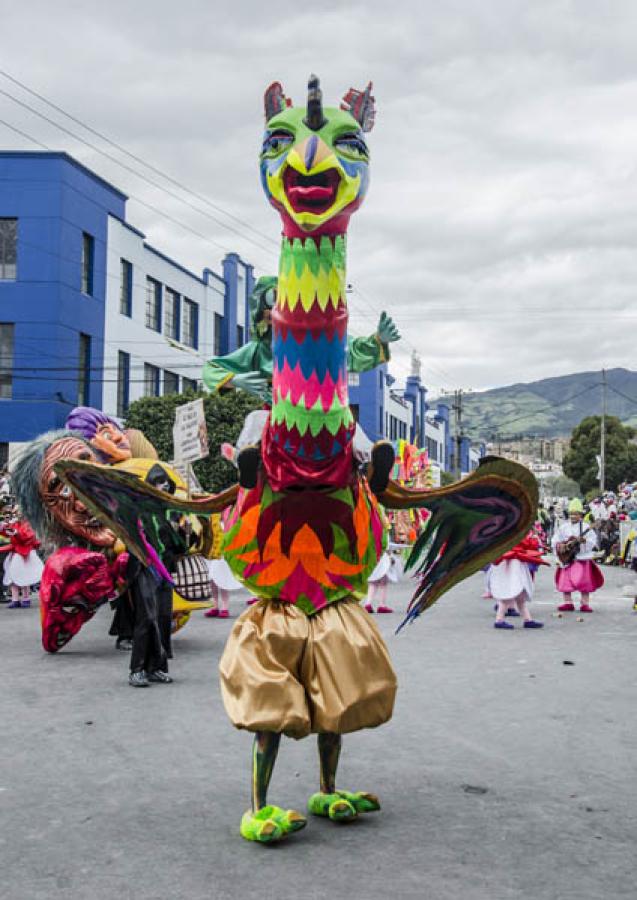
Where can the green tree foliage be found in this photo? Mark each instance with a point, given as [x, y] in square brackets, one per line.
[225, 412]
[561, 486]
[580, 463]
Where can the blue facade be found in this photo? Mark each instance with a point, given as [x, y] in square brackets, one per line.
[56, 201]
[367, 399]
[442, 416]
[416, 394]
[57, 301]
[229, 331]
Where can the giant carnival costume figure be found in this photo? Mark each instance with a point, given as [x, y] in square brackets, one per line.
[306, 658]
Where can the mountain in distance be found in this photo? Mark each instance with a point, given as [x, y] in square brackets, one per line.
[551, 407]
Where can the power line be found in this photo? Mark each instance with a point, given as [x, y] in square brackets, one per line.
[138, 159]
[621, 394]
[549, 406]
[149, 206]
[130, 169]
[132, 196]
[445, 377]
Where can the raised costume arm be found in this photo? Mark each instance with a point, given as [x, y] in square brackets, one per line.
[229, 370]
[364, 354]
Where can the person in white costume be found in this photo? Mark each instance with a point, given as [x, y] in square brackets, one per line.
[23, 567]
[385, 573]
[511, 582]
[223, 583]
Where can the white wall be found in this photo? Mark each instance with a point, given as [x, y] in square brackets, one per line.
[400, 410]
[435, 432]
[131, 334]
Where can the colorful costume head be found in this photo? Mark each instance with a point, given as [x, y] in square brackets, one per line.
[262, 301]
[49, 505]
[104, 433]
[77, 576]
[314, 161]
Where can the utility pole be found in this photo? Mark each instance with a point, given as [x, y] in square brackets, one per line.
[602, 447]
[457, 408]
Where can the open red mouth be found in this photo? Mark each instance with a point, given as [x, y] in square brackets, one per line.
[311, 193]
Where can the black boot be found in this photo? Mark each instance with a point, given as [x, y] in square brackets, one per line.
[380, 467]
[248, 460]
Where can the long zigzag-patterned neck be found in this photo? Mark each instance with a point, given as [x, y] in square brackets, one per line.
[311, 416]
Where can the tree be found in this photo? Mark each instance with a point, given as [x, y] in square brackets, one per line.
[561, 486]
[155, 416]
[580, 462]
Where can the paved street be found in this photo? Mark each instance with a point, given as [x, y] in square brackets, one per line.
[503, 774]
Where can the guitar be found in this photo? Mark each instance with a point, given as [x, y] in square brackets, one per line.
[567, 550]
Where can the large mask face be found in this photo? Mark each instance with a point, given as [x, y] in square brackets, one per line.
[112, 444]
[315, 161]
[65, 508]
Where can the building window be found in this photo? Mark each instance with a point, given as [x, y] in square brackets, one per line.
[88, 258]
[355, 408]
[189, 384]
[153, 304]
[84, 371]
[123, 382]
[8, 249]
[126, 288]
[239, 335]
[6, 360]
[171, 314]
[216, 348]
[353, 379]
[151, 380]
[190, 324]
[171, 382]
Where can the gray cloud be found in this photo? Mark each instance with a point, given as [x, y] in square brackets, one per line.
[501, 225]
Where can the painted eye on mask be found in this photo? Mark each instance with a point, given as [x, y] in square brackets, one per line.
[352, 145]
[66, 492]
[276, 143]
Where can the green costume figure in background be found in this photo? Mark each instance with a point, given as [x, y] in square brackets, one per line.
[249, 368]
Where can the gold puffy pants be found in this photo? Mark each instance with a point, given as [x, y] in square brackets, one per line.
[287, 672]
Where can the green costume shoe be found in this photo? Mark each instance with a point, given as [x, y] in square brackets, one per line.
[270, 824]
[342, 806]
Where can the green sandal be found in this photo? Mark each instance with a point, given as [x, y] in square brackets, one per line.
[342, 806]
[270, 824]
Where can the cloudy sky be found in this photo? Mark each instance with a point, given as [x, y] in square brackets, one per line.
[500, 229]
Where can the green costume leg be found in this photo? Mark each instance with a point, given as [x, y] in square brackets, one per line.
[339, 806]
[329, 748]
[264, 823]
[264, 754]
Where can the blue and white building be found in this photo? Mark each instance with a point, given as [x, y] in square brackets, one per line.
[386, 410]
[90, 313]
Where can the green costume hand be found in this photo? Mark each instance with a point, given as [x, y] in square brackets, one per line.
[386, 330]
[253, 383]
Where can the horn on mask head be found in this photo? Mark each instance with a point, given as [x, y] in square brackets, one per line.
[314, 118]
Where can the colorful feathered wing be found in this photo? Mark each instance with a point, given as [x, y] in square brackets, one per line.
[137, 513]
[471, 523]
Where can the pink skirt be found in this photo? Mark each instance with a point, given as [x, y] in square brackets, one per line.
[582, 575]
